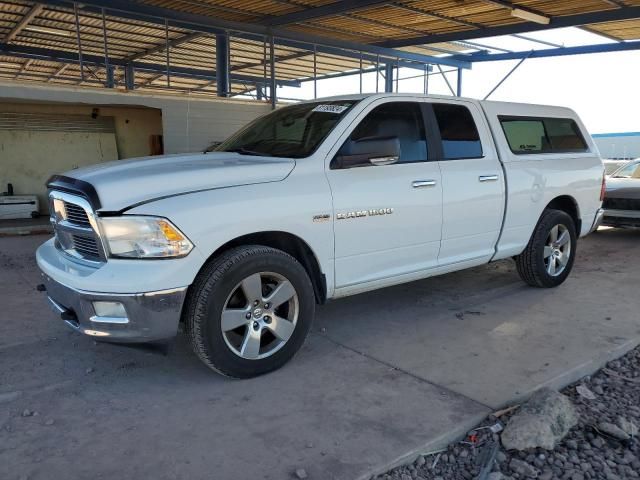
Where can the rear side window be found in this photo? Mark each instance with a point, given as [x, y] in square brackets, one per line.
[458, 132]
[527, 135]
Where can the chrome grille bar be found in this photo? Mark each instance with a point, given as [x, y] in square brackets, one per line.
[76, 214]
[76, 228]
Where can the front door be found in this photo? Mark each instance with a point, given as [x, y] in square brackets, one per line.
[387, 218]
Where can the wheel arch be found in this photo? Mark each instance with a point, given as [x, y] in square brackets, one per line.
[569, 205]
[288, 243]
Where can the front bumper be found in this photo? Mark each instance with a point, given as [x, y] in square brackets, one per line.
[150, 316]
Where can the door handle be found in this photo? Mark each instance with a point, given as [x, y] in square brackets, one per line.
[423, 183]
[487, 178]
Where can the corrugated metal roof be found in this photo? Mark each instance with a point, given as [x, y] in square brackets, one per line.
[53, 27]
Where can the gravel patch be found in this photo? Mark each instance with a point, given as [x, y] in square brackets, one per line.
[603, 445]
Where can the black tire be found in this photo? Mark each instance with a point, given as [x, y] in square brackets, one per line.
[531, 263]
[211, 290]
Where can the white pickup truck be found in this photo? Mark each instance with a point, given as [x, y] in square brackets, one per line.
[315, 201]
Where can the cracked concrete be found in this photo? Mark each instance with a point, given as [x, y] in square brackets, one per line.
[385, 375]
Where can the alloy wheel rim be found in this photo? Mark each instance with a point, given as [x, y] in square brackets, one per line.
[557, 250]
[260, 315]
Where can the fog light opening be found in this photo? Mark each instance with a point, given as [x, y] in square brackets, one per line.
[110, 309]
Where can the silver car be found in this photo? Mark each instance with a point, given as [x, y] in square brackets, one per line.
[610, 165]
[622, 197]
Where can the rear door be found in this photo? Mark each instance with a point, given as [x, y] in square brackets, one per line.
[388, 218]
[473, 187]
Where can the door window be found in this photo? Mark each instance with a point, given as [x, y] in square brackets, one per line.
[458, 132]
[396, 119]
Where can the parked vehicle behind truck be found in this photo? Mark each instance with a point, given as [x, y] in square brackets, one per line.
[312, 202]
[622, 197]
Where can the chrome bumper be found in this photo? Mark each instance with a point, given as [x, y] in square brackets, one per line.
[150, 316]
[597, 221]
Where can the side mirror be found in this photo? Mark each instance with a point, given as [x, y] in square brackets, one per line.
[368, 151]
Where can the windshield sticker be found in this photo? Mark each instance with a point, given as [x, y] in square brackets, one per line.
[338, 109]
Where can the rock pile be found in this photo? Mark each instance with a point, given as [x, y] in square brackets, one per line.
[589, 431]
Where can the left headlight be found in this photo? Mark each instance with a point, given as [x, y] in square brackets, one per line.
[143, 237]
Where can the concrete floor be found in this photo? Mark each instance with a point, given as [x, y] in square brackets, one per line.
[384, 375]
[25, 226]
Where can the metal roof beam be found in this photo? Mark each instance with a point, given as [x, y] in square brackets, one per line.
[189, 21]
[331, 9]
[161, 47]
[25, 66]
[626, 13]
[59, 71]
[480, 46]
[24, 21]
[556, 52]
[72, 57]
[536, 40]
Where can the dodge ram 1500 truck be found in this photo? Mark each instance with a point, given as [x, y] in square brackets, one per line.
[315, 201]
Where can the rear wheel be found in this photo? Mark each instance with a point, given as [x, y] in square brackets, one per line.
[550, 253]
[249, 311]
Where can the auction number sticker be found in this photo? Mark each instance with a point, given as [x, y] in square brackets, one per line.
[330, 108]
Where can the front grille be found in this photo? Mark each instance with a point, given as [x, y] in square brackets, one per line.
[71, 217]
[621, 204]
[87, 247]
[76, 215]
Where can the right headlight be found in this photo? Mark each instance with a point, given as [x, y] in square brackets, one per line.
[132, 236]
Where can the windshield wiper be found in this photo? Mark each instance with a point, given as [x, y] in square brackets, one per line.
[245, 151]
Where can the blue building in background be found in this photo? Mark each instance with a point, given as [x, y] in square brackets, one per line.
[623, 145]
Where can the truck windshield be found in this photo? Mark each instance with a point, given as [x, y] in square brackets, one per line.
[293, 131]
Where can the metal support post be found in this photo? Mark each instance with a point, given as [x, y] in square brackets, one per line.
[79, 42]
[222, 65]
[107, 67]
[129, 77]
[388, 77]
[111, 78]
[272, 80]
[315, 72]
[167, 48]
[377, 72]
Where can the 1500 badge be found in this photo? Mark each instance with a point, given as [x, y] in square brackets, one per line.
[364, 213]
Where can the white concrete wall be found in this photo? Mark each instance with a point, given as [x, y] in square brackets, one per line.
[618, 146]
[189, 123]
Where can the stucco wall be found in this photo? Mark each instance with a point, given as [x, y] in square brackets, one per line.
[28, 158]
[189, 123]
[134, 125]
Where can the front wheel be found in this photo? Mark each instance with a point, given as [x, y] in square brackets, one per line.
[548, 258]
[249, 311]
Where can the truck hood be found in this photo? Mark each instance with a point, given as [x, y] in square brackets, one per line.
[123, 183]
[623, 188]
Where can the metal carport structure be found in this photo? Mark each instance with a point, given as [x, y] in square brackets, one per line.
[227, 48]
